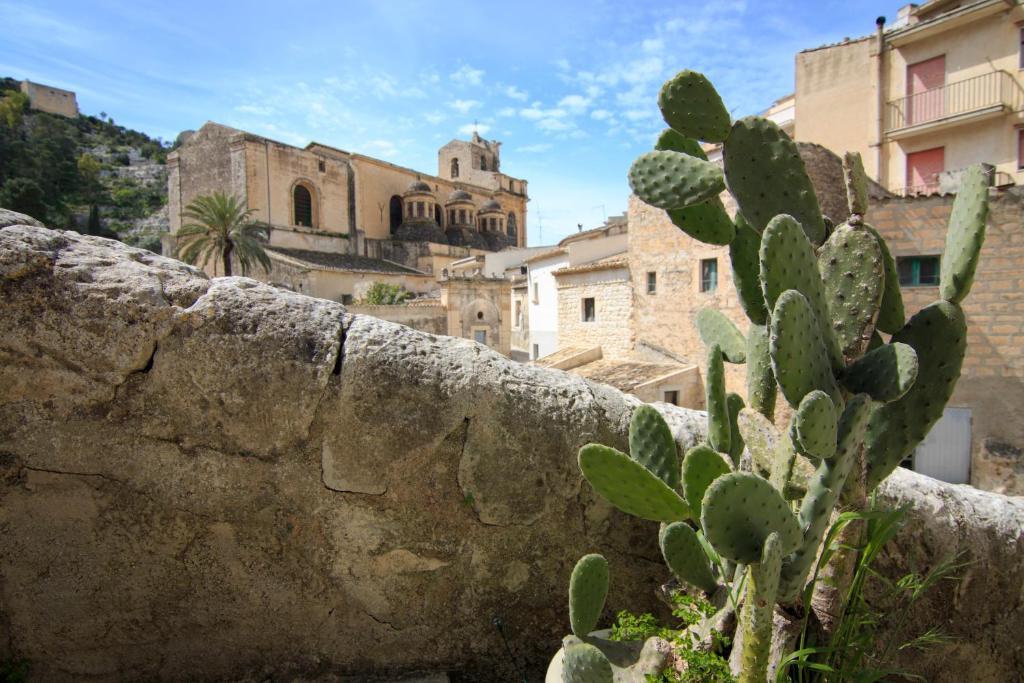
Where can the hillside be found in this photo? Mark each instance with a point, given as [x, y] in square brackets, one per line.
[86, 174]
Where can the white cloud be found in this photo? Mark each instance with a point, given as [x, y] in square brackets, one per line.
[462, 106]
[434, 117]
[469, 128]
[533, 149]
[553, 125]
[385, 148]
[516, 94]
[574, 103]
[536, 113]
[255, 109]
[507, 111]
[600, 114]
[467, 75]
[652, 45]
[563, 64]
[639, 114]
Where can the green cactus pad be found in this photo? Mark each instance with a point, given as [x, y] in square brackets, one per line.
[588, 588]
[965, 235]
[746, 270]
[584, 663]
[798, 356]
[885, 374]
[706, 222]
[740, 510]
[891, 315]
[758, 611]
[715, 328]
[761, 386]
[852, 270]
[938, 334]
[856, 183]
[761, 438]
[671, 180]
[677, 142]
[629, 486]
[685, 556]
[767, 177]
[651, 444]
[788, 261]
[823, 491]
[814, 426]
[701, 466]
[734, 402]
[692, 106]
[715, 401]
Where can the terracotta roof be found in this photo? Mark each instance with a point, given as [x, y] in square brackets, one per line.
[325, 260]
[625, 375]
[606, 263]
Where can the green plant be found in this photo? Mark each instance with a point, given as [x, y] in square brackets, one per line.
[385, 294]
[817, 295]
[220, 227]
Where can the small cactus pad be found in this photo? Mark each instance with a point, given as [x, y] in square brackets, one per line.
[584, 663]
[588, 588]
[651, 444]
[715, 328]
[715, 402]
[746, 270]
[705, 222]
[692, 106]
[740, 510]
[671, 180]
[761, 438]
[814, 426]
[734, 402]
[798, 356]
[891, 315]
[823, 491]
[701, 466]
[938, 334]
[761, 386]
[677, 142]
[629, 486]
[685, 556]
[787, 261]
[759, 610]
[885, 374]
[852, 270]
[856, 183]
[767, 177]
[965, 235]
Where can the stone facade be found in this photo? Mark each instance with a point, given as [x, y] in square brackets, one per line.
[480, 308]
[606, 283]
[50, 100]
[429, 317]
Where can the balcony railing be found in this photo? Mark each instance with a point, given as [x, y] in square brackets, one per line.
[996, 90]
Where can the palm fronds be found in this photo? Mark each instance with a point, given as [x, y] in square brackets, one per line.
[219, 227]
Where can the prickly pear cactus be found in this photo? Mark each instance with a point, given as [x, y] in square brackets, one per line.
[588, 588]
[817, 294]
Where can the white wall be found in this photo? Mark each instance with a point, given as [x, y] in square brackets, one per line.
[543, 310]
[586, 251]
[496, 263]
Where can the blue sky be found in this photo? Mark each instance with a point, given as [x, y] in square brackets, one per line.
[569, 87]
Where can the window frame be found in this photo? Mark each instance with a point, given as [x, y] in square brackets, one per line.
[310, 193]
[708, 284]
[674, 393]
[652, 282]
[1020, 148]
[584, 301]
[915, 278]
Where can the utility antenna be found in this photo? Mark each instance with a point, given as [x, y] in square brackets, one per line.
[604, 213]
[540, 228]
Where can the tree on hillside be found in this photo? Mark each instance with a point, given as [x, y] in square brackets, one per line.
[219, 227]
[24, 196]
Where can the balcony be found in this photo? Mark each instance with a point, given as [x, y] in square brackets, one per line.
[972, 99]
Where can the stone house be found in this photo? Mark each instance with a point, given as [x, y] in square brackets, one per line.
[51, 100]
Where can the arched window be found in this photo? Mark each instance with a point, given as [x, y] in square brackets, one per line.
[451, 216]
[512, 227]
[303, 204]
[396, 212]
[483, 163]
[462, 216]
[438, 215]
[455, 168]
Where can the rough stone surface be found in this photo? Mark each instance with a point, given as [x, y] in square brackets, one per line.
[219, 480]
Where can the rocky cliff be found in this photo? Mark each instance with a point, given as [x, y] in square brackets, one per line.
[209, 479]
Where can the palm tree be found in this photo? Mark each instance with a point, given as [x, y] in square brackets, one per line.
[219, 227]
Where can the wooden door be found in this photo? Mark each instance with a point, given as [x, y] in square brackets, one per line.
[923, 169]
[925, 96]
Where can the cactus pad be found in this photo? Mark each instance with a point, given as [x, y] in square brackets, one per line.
[584, 663]
[891, 315]
[885, 374]
[852, 271]
[677, 142]
[787, 261]
[629, 486]
[705, 222]
[701, 466]
[856, 183]
[715, 328]
[651, 444]
[685, 556]
[692, 106]
[746, 270]
[761, 386]
[740, 510]
[588, 588]
[715, 401]
[814, 426]
[734, 402]
[938, 334]
[759, 609]
[965, 235]
[761, 438]
[671, 180]
[798, 356]
[767, 177]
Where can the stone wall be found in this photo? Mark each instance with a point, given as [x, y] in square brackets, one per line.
[50, 100]
[431, 318]
[613, 301]
[217, 479]
[480, 305]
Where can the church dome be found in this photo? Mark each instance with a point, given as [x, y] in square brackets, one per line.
[460, 196]
[490, 206]
[419, 187]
